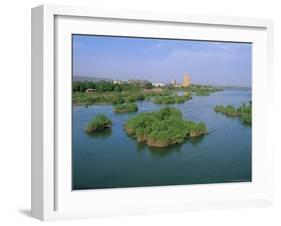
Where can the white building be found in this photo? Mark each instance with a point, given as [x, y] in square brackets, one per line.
[117, 82]
[158, 84]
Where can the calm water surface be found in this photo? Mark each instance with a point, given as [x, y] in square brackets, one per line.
[113, 159]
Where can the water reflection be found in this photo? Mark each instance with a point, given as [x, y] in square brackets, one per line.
[102, 134]
[159, 153]
[197, 140]
[165, 151]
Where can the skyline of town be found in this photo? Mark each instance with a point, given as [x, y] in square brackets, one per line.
[161, 61]
[172, 82]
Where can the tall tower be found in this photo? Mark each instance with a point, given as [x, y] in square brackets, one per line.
[186, 80]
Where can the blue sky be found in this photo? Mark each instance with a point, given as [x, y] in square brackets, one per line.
[161, 60]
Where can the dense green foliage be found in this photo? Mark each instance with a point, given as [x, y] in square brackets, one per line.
[99, 123]
[106, 92]
[244, 111]
[228, 110]
[106, 97]
[173, 99]
[126, 107]
[108, 86]
[114, 97]
[163, 128]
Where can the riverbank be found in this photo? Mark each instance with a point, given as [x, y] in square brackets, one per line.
[167, 95]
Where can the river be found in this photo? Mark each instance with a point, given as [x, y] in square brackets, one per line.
[113, 159]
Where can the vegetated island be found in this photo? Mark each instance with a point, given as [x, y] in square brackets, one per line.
[98, 124]
[244, 111]
[172, 99]
[126, 107]
[163, 128]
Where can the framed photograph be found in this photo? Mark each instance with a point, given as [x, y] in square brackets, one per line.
[137, 112]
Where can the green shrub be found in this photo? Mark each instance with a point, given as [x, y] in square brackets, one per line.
[175, 99]
[246, 118]
[99, 123]
[244, 111]
[163, 128]
[126, 107]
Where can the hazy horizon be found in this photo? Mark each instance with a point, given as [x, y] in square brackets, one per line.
[161, 60]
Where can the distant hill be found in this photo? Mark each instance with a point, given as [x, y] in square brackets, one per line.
[94, 79]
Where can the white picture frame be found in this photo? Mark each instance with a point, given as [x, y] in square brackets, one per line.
[52, 197]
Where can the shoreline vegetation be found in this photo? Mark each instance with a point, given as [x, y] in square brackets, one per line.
[98, 124]
[163, 128]
[126, 107]
[201, 90]
[244, 111]
[172, 99]
[107, 92]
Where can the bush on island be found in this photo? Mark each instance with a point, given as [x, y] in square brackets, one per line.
[99, 123]
[163, 128]
[244, 111]
[175, 99]
[127, 107]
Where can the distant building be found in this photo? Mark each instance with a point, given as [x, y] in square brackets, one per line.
[90, 90]
[174, 82]
[117, 82]
[158, 84]
[186, 80]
